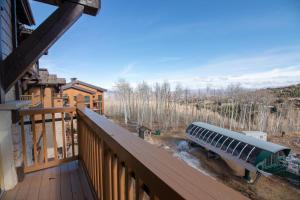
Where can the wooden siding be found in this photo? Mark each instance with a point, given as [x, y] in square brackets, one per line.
[6, 29]
[71, 93]
[6, 38]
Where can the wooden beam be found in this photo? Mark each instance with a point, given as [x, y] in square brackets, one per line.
[91, 7]
[28, 53]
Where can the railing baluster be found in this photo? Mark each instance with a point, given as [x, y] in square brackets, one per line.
[101, 169]
[97, 166]
[115, 177]
[107, 173]
[128, 184]
[137, 188]
[121, 182]
[72, 135]
[54, 137]
[88, 150]
[93, 159]
[34, 139]
[44, 140]
[79, 137]
[24, 142]
[63, 135]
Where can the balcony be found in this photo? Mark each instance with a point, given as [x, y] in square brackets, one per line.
[33, 99]
[71, 153]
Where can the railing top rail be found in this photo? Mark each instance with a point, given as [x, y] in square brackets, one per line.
[26, 95]
[35, 111]
[167, 176]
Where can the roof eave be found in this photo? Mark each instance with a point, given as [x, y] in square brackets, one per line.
[27, 12]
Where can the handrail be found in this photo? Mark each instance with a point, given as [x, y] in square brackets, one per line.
[122, 166]
[26, 97]
[35, 111]
[46, 122]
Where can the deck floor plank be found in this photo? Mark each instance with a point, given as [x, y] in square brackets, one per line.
[24, 188]
[55, 186]
[85, 185]
[34, 188]
[67, 181]
[66, 188]
[75, 183]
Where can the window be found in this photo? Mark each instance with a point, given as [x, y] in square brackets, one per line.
[199, 132]
[232, 146]
[245, 152]
[203, 134]
[220, 142]
[216, 139]
[211, 137]
[238, 149]
[227, 142]
[195, 131]
[207, 135]
[75, 98]
[253, 155]
[86, 99]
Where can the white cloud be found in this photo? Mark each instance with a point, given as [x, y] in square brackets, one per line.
[272, 68]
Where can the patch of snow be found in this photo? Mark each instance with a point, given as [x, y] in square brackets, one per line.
[191, 161]
[183, 146]
[166, 147]
[183, 154]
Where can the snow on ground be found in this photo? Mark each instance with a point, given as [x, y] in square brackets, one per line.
[182, 153]
[181, 150]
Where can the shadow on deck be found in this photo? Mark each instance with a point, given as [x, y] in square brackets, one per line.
[66, 181]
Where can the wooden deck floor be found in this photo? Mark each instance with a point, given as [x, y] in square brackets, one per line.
[67, 181]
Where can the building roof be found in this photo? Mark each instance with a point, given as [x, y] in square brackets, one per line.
[91, 86]
[66, 87]
[49, 79]
[75, 82]
[24, 12]
[246, 151]
[268, 146]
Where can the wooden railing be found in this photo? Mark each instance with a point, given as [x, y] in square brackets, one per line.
[41, 130]
[119, 165]
[26, 97]
[124, 167]
[32, 98]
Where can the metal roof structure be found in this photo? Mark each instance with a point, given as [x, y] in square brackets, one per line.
[246, 151]
[268, 146]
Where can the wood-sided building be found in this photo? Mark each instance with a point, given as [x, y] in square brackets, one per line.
[93, 95]
[45, 89]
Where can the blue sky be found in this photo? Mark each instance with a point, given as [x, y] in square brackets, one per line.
[196, 43]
